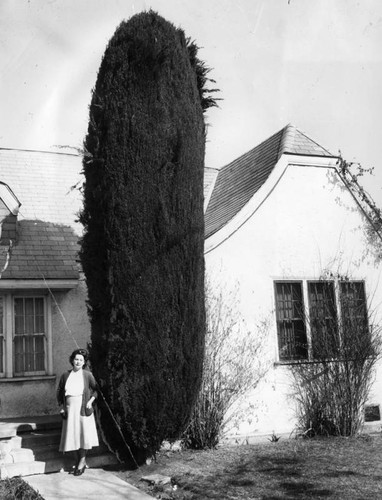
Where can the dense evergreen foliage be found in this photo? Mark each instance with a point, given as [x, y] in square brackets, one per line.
[142, 251]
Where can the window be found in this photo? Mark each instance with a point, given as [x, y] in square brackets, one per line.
[25, 335]
[354, 311]
[317, 319]
[290, 321]
[372, 413]
[29, 335]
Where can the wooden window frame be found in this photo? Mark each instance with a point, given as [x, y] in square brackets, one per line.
[295, 323]
[9, 367]
[337, 302]
[29, 336]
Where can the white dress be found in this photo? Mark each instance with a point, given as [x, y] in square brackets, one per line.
[77, 431]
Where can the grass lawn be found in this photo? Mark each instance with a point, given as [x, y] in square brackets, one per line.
[336, 468]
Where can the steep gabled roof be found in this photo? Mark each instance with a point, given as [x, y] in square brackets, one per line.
[43, 251]
[42, 183]
[46, 242]
[238, 181]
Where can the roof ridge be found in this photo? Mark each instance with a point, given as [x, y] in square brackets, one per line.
[312, 140]
[288, 134]
[258, 146]
[39, 151]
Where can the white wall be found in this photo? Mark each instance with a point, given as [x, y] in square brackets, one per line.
[29, 397]
[307, 224]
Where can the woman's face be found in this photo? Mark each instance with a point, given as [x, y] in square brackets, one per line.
[78, 362]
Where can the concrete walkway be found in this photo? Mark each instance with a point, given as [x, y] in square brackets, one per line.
[93, 484]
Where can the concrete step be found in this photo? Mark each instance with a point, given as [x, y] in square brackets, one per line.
[51, 451]
[19, 425]
[6, 445]
[21, 469]
[34, 450]
[18, 455]
[53, 464]
[67, 463]
[7, 430]
[40, 438]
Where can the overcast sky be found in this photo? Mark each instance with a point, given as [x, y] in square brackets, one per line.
[315, 64]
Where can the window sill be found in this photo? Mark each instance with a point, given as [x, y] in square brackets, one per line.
[28, 378]
[301, 362]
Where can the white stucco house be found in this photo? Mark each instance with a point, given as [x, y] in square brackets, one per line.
[277, 219]
[42, 290]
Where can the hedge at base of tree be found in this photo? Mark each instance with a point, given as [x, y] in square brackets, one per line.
[142, 250]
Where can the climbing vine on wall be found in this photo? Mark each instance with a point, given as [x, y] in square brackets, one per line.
[351, 172]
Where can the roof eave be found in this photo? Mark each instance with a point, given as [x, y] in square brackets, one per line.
[38, 284]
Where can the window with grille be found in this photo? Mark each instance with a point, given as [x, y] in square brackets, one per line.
[290, 321]
[29, 335]
[323, 319]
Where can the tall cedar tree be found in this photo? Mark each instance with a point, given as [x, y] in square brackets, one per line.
[142, 250]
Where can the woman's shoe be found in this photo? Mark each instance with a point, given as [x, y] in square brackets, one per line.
[79, 472]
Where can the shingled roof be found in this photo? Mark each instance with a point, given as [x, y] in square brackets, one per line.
[238, 181]
[46, 244]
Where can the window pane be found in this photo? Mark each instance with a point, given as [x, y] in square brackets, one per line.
[39, 316]
[39, 361]
[356, 334]
[290, 321]
[29, 315]
[323, 319]
[28, 354]
[19, 316]
[19, 356]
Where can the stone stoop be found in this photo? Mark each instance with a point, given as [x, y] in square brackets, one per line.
[30, 446]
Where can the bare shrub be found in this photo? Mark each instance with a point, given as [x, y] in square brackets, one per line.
[233, 364]
[332, 388]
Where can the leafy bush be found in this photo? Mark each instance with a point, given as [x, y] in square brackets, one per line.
[142, 251]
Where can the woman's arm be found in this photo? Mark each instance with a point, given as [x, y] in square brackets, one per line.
[92, 385]
[89, 404]
[61, 390]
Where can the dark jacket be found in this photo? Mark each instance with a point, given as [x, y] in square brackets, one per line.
[90, 389]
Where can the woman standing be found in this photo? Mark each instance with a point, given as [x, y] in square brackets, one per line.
[76, 393]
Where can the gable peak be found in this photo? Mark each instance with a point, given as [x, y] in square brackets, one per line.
[294, 141]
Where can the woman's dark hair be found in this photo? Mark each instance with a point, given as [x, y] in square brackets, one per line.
[83, 353]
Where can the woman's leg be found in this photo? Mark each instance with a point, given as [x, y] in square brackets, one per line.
[78, 457]
[82, 458]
